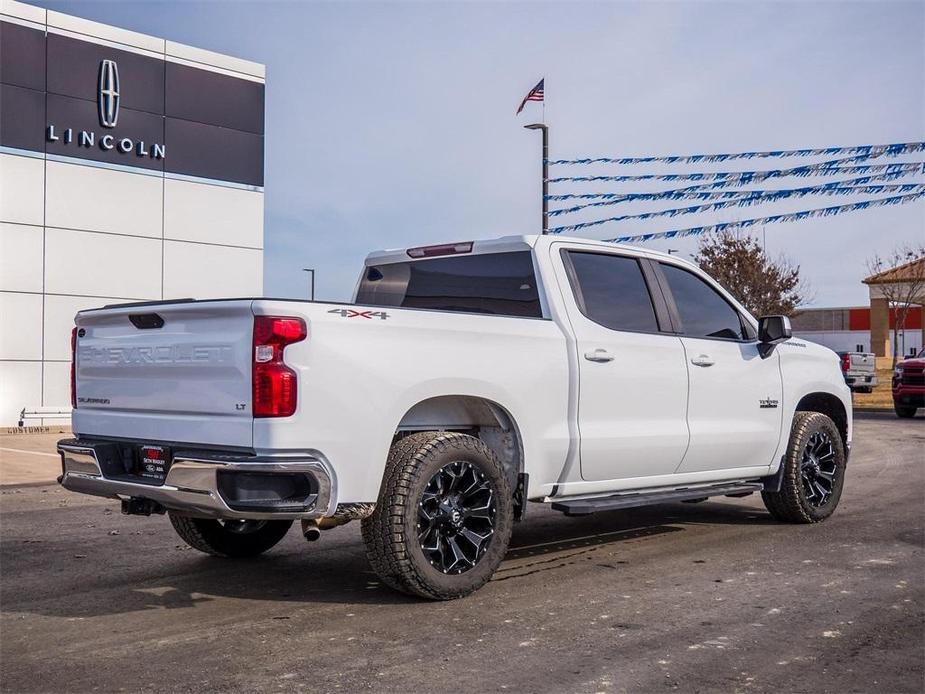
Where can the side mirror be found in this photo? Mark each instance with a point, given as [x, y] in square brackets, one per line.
[772, 330]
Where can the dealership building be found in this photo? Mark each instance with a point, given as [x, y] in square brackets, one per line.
[131, 169]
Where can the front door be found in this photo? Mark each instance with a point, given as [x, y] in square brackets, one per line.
[632, 402]
[734, 410]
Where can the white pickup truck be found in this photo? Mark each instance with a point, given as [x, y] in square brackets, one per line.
[464, 380]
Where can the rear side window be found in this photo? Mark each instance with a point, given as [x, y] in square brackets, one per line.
[703, 311]
[495, 283]
[611, 291]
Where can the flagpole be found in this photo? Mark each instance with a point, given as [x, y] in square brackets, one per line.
[545, 129]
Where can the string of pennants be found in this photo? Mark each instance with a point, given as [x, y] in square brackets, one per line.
[773, 219]
[716, 186]
[889, 150]
[826, 168]
[851, 186]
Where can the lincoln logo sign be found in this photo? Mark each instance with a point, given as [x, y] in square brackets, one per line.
[109, 93]
[108, 98]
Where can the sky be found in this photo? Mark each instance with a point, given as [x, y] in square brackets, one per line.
[392, 124]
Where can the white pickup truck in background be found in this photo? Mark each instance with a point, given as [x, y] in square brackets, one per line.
[464, 380]
[859, 370]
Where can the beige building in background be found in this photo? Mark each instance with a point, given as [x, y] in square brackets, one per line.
[910, 280]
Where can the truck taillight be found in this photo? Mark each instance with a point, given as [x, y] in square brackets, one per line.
[74, 367]
[275, 385]
[845, 362]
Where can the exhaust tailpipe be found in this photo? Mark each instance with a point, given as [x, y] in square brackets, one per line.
[310, 530]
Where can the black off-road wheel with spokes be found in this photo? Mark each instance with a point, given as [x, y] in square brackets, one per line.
[814, 471]
[230, 538]
[443, 519]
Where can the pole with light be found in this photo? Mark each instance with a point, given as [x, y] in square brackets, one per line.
[311, 270]
[545, 129]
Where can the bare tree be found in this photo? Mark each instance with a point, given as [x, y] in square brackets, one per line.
[765, 286]
[900, 279]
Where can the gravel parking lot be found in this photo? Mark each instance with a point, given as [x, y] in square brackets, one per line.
[708, 597]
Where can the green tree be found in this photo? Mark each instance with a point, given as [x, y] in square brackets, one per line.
[764, 285]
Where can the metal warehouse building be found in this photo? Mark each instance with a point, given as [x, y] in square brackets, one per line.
[131, 168]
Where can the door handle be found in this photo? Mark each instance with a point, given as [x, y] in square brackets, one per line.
[702, 360]
[599, 355]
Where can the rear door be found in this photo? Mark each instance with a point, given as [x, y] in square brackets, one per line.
[632, 402]
[734, 406]
[166, 372]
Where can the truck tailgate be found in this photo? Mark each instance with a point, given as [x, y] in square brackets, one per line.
[175, 372]
[862, 363]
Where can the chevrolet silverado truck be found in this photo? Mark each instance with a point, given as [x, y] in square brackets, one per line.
[909, 386]
[859, 370]
[462, 382]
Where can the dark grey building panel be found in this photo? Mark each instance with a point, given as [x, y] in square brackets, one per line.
[207, 151]
[214, 99]
[74, 67]
[22, 56]
[79, 115]
[51, 98]
[22, 111]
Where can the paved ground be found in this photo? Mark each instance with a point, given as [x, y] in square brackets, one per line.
[710, 597]
[30, 458]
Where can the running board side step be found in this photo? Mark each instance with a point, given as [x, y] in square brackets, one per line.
[582, 507]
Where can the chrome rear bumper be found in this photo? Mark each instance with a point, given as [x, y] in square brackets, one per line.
[192, 485]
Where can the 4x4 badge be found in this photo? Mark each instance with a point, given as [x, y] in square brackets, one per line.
[350, 313]
[767, 403]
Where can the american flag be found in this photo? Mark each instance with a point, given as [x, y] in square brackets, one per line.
[535, 94]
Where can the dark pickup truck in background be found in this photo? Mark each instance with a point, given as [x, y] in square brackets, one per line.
[909, 385]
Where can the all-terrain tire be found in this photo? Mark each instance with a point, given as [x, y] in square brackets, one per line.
[229, 539]
[794, 503]
[391, 533]
[904, 411]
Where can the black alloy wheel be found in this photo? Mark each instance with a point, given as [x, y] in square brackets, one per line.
[812, 474]
[444, 516]
[456, 517]
[818, 468]
[242, 527]
[230, 538]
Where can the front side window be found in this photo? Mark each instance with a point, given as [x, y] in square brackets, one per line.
[612, 291]
[493, 283]
[703, 311]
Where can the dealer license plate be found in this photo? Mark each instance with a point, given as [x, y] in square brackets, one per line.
[154, 462]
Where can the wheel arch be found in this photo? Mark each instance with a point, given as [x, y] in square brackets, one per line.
[831, 406]
[478, 416]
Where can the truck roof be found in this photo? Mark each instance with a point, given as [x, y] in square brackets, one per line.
[505, 244]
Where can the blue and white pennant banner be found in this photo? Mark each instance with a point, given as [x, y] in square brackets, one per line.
[845, 187]
[826, 168]
[742, 202]
[875, 150]
[773, 219]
